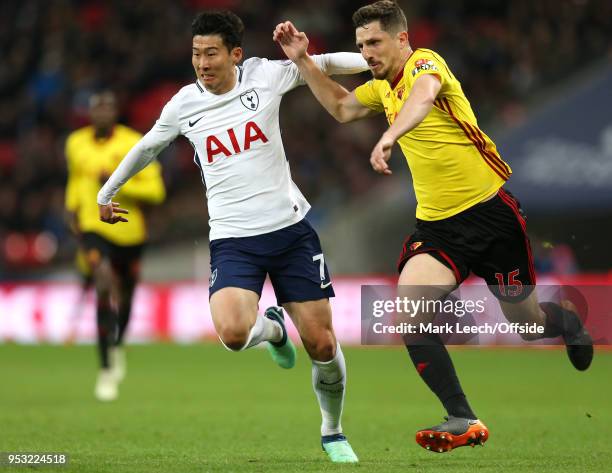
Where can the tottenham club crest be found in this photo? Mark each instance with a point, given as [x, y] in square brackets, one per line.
[250, 99]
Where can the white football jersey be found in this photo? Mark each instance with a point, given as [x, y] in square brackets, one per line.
[238, 148]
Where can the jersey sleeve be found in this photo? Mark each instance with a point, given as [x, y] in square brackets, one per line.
[285, 75]
[147, 186]
[367, 94]
[282, 76]
[165, 130]
[424, 62]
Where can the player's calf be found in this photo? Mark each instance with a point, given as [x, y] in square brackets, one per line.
[329, 384]
[562, 320]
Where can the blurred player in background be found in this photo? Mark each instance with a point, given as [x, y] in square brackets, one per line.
[83, 267]
[87, 283]
[230, 115]
[466, 221]
[112, 254]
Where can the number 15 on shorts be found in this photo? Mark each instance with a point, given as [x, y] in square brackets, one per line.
[321, 259]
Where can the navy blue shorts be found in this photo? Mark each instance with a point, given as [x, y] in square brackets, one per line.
[292, 256]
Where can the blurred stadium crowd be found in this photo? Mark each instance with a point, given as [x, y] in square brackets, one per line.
[55, 53]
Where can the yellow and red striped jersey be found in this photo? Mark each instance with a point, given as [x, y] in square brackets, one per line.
[454, 164]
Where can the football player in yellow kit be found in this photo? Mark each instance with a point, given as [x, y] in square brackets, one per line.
[466, 221]
[112, 253]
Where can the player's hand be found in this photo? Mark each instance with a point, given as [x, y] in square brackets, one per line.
[381, 154]
[110, 213]
[293, 42]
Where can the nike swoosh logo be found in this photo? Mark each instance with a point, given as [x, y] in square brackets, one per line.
[335, 382]
[323, 286]
[191, 123]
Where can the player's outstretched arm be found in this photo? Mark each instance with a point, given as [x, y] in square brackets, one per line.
[165, 130]
[146, 187]
[413, 112]
[339, 102]
[136, 159]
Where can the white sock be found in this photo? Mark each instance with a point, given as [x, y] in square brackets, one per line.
[264, 330]
[329, 383]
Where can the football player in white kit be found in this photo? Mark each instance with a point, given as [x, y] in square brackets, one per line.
[257, 214]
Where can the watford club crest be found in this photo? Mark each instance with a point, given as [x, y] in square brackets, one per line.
[250, 99]
[416, 245]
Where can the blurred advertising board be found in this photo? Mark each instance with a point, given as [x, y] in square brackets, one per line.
[59, 313]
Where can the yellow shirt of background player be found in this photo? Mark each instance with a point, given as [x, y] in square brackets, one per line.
[454, 165]
[90, 161]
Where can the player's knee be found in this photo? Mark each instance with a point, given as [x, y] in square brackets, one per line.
[234, 338]
[323, 347]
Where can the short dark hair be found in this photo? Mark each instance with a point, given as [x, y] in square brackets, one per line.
[102, 93]
[387, 12]
[224, 23]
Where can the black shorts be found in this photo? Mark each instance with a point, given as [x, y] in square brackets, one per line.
[488, 239]
[125, 259]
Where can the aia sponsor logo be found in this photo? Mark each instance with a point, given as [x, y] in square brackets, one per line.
[238, 142]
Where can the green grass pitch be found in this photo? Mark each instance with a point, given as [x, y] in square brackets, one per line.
[200, 408]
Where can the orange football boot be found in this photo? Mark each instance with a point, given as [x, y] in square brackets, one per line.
[455, 432]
